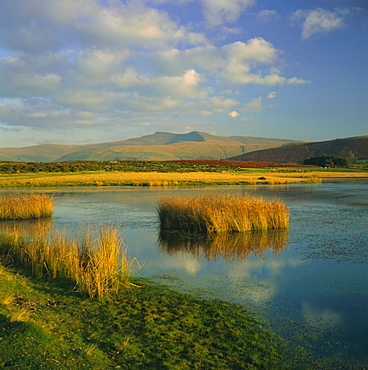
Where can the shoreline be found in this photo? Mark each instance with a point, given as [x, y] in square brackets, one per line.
[102, 178]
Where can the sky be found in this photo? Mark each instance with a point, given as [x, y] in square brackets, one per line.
[92, 71]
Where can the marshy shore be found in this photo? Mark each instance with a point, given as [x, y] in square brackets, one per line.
[102, 178]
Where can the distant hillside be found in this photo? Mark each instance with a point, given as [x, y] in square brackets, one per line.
[350, 148]
[158, 146]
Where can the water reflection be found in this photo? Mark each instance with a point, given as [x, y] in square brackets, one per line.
[26, 227]
[228, 246]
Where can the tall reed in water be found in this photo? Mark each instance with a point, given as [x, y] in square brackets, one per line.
[98, 267]
[216, 213]
[25, 206]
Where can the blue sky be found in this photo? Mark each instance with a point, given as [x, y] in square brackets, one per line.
[89, 71]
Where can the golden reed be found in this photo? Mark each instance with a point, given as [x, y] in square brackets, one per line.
[216, 213]
[97, 266]
[25, 206]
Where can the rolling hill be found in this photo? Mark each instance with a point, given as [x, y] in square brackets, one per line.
[158, 146]
[351, 148]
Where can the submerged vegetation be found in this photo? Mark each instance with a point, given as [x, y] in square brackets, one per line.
[97, 267]
[221, 213]
[25, 206]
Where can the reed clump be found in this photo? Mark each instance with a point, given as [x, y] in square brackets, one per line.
[217, 213]
[25, 206]
[97, 266]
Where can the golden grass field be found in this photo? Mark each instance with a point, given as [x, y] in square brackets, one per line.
[158, 178]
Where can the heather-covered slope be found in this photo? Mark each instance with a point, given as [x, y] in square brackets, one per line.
[351, 148]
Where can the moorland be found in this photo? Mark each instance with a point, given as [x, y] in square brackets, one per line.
[158, 173]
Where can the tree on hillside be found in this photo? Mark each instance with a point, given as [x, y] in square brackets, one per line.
[327, 161]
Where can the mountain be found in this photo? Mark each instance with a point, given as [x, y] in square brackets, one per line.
[158, 146]
[350, 148]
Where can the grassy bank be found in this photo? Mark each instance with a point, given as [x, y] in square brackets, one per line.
[152, 179]
[218, 213]
[45, 325]
[101, 178]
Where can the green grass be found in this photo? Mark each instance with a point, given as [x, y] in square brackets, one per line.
[217, 213]
[141, 166]
[151, 327]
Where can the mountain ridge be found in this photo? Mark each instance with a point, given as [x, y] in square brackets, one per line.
[352, 148]
[157, 146]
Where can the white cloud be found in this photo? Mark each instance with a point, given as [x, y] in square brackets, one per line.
[255, 105]
[221, 104]
[242, 57]
[320, 317]
[95, 66]
[146, 124]
[180, 86]
[218, 12]
[256, 50]
[76, 63]
[234, 114]
[46, 25]
[267, 15]
[319, 21]
[272, 95]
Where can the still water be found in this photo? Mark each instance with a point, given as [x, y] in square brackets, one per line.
[310, 283]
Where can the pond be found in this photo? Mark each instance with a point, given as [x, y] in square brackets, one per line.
[309, 284]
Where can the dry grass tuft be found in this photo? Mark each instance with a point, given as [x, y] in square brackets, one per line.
[98, 267]
[22, 314]
[25, 206]
[7, 300]
[217, 213]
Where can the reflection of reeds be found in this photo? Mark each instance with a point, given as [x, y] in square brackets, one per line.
[26, 227]
[25, 206]
[216, 213]
[96, 266]
[229, 246]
